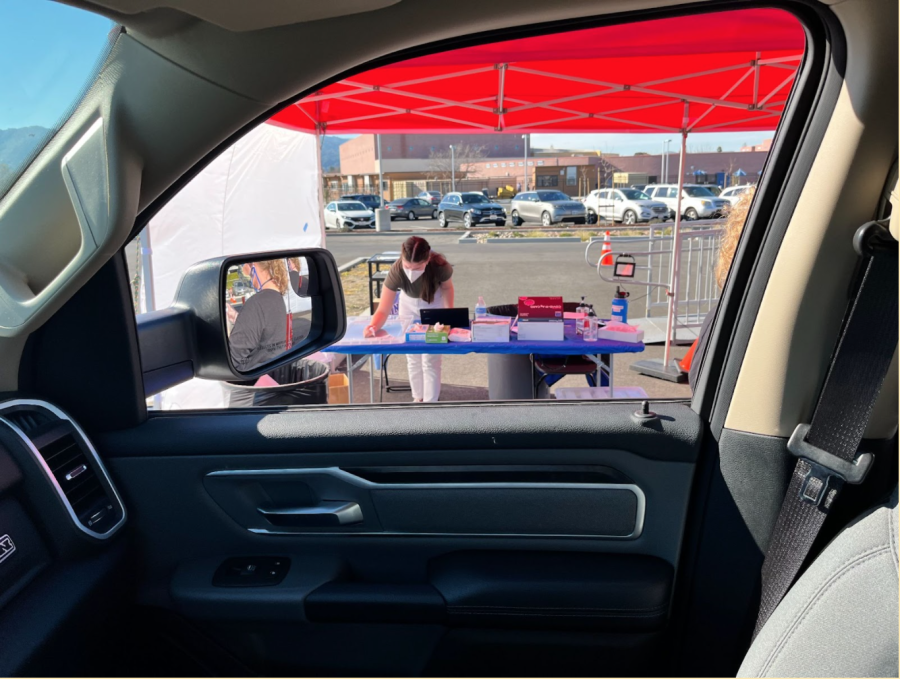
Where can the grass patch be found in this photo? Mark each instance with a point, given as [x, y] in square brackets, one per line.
[355, 282]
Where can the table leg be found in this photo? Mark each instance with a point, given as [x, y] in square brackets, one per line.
[609, 363]
[371, 378]
[350, 377]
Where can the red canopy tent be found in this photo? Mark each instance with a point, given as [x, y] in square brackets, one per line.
[715, 72]
[733, 69]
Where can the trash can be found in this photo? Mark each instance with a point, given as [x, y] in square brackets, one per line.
[510, 376]
[300, 383]
[382, 220]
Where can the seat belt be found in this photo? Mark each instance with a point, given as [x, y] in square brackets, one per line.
[827, 447]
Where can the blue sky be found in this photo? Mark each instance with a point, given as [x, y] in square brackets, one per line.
[47, 52]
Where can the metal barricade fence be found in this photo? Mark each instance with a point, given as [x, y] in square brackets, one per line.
[697, 289]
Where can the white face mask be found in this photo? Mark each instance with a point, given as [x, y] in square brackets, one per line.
[413, 274]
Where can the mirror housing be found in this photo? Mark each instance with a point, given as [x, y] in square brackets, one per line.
[190, 339]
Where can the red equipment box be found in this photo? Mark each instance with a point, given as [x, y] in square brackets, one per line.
[536, 308]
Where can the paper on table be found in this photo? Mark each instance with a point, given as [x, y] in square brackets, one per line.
[393, 331]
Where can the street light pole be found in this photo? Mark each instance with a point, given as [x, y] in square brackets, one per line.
[662, 164]
[452, 170]
[666, 171]
[525, 171]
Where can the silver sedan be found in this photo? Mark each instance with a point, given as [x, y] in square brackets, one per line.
[546, 208]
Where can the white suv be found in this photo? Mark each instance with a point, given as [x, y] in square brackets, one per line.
[697, 201]
[733, 193]
[628, 206]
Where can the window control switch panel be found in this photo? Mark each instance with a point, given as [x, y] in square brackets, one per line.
[251, 571]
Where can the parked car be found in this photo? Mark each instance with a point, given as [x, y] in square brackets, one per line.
[348, 214]
[434, 197]
[471, 209]
[639, 187]
[412, 208]
[733, 193]
[628, 206]
[697, 201]
[371, 201]
[546, 207]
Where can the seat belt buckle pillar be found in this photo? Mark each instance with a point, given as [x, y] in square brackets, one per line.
[825, 470]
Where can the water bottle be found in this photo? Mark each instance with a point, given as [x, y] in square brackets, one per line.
[480, 308]
[620, 306]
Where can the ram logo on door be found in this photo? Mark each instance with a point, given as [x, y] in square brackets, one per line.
[7, 547]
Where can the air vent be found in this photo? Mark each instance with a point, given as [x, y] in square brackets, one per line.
[72, 470]
[28, 420]
[71, 463]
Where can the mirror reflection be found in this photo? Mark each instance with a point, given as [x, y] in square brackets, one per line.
[268, 309]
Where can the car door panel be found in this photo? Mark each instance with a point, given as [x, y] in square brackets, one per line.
[460, 511]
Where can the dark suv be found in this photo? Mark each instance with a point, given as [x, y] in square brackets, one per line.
[471, 209]
[371, 201]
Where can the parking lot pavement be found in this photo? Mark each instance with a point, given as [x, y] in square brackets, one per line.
[501, 273]
[464, 378]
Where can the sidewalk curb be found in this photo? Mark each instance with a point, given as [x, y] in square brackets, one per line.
[402, 234]
[351, 264]
[565, 239]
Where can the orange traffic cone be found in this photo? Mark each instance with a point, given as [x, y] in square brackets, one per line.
[685, 363]
[606, 258]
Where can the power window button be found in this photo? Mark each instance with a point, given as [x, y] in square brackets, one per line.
[255, 571]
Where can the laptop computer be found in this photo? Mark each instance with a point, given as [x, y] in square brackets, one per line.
[455, 318]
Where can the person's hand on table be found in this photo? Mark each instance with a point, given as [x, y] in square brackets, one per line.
[370, 331]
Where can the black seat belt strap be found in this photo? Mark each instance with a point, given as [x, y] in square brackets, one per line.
[827, 448]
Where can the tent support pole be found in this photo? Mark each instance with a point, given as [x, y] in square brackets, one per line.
[380, 170]
[653, 367]
[320, 194]
[675, 267]
[147, 269]
[149, 291]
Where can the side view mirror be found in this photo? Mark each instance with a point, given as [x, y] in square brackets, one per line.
[239, 317]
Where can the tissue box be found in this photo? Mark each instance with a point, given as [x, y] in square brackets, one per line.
[547, 331]
[540, 307]
[426, 333]
[492, 329]
[619, 335]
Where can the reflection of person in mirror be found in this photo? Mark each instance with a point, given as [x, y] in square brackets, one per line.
[260, 332]
[422, 278]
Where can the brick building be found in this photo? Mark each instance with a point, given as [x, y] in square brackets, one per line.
[407, 167]
[699, 168]
[765, 146]
[405, 152]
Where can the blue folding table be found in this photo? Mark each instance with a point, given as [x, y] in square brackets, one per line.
[600, 351]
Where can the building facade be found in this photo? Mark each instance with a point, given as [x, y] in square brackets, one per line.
[407, 166]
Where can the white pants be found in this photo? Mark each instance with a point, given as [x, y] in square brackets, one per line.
[424, 369]
[424, 376]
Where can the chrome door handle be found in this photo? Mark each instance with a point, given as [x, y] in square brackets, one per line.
[324, 514]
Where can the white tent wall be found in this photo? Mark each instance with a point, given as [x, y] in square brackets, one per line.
[261, 194]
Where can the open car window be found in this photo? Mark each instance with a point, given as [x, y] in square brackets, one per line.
[468, 149]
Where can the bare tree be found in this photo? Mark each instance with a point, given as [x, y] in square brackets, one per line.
[464, 156]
